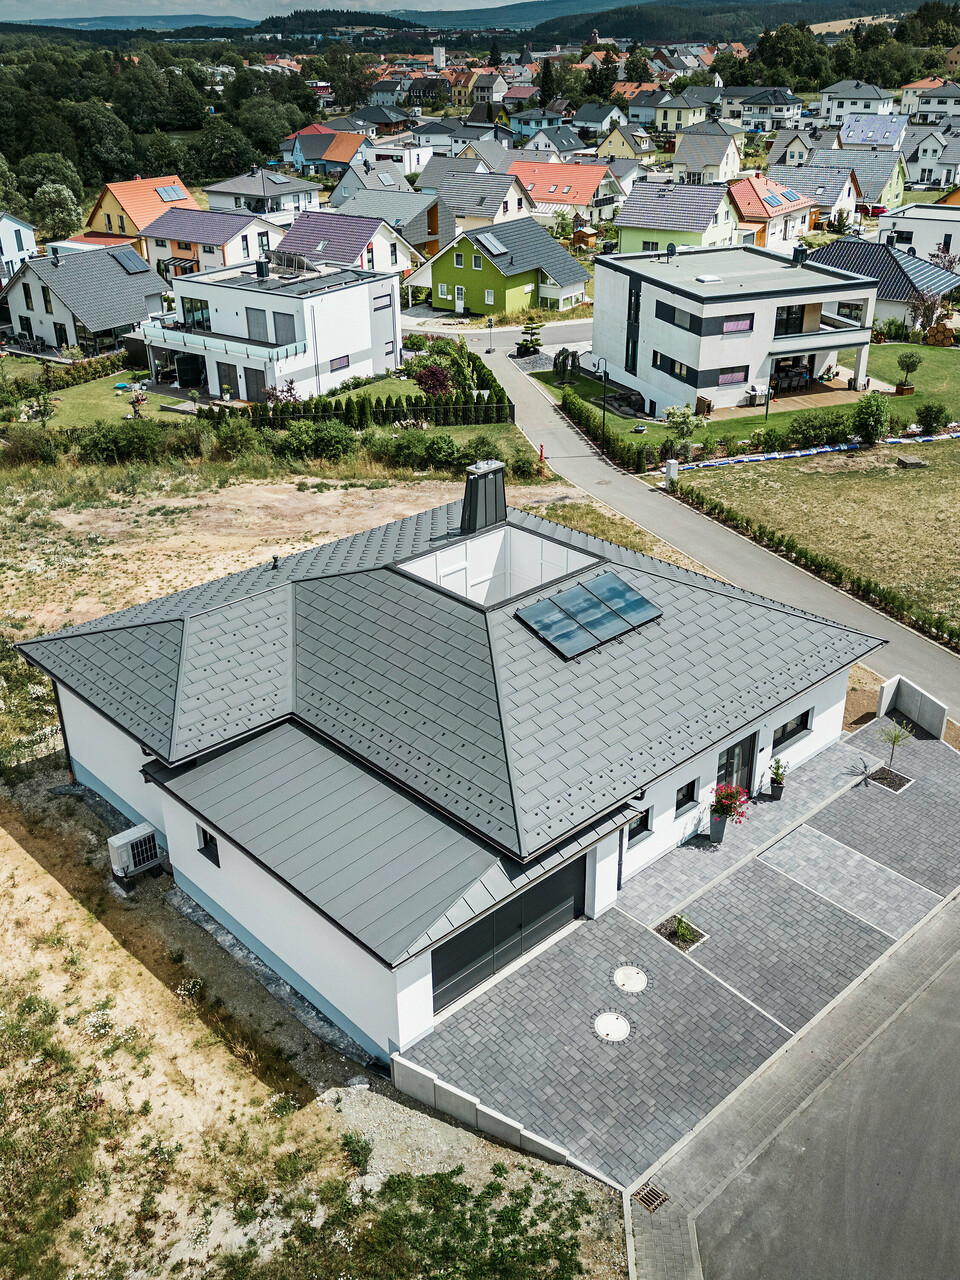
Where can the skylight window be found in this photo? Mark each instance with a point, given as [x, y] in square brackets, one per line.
[588, 615]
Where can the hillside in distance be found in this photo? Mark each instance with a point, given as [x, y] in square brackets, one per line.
[146, 22]
[654, 24]
[515, 17]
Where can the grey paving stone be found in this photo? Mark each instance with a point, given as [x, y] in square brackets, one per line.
[527, 1047]
[915, 832]
[873, 892]
[785, 948]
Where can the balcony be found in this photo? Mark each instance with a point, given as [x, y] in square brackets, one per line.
[833, 332]
[174, 335]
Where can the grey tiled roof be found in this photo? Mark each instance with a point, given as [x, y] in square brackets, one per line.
[772, 98]
[201, 226]
[594, 113]
[528, 246]
[877, 131]
[97, 289]
[259, 183]
[873, 168]
[396, 208]
[332, 237]
[476, 195]
[562, 136]
[462, 708]
[439, 168]
[671, 206]
[817, 139]
[900, 276]
[825, 185]
[493, 154]
[856, 89]
[699, 149]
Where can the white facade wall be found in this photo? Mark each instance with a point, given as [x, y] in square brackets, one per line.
[15, 248]
[770, 117]
[411, 159]
[835, 109]
[245, 246]
[42, 322]
[108, 760]
[923, 232]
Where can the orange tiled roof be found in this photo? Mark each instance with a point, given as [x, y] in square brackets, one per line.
[344, 146]
[630, 88]
[748, 195]
[140, 201]
[309, 128]
[931, 82]
[102, 239]
[540, 176]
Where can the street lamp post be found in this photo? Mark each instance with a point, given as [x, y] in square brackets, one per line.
[603, 425]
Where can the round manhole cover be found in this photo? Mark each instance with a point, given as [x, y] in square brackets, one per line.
[611, 1026]
[629, 978]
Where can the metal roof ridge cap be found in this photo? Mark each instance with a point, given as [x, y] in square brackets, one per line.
[174, 719]
[508, 753]
[249, 595]
[65, 633]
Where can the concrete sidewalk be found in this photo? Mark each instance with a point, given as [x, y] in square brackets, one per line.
[726, 553]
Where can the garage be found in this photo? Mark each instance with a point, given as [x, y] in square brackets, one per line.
[513, 929]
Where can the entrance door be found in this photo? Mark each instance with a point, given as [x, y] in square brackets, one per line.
[26, 326]
[60, 334]
[458, 298]
[510, 931]
[229, 382]
[256, 385]
[736, 764]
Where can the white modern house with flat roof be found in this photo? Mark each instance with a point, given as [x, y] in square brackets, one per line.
[239, 330]
[394, 764]
[712, 323]
[17, 243]
[924, 229]
[854, 97]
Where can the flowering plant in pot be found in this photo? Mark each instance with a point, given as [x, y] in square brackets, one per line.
[778, 771]
[728, 802]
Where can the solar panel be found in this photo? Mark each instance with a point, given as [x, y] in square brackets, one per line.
[130, 260]
[491, 243]
[278, 178]
[791, 195]
[557, 628]
[591, 613]
[768, 199]
[173, 192]
[588, 615]
[623, 599]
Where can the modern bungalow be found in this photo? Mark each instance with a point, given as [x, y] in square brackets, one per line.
[903, 280]
[394, 763]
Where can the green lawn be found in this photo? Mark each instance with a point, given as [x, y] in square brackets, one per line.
[83, 405]
[20, 366]
[924, 197]
[938, 378]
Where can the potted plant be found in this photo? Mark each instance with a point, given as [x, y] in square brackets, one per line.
[728, 802]
[778, 771]
[909, 362]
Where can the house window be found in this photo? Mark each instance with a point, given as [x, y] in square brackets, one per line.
[160, 244]
[257, 325]
[792, 729]
[477, 262]
[28, 297]
[789, 320]
[388, 349]
[393, 254]
[686, 796]
[458, 259]
[109, 221]
[237, 202]
[263, 242]
[341, 362]
[442, 290]
[506, 206]
[630, 360]
[47, 300]
[18, 236]
[208, 846]
[639, 828]
[284, 328]
[185, 245]
[633, 306]
[667, 364]
[730, 376]
[208, 248]
[520, 206]
[121, 224]
[650, 246]
[738, 324]
[196, 313]
[488, 297]
[382, 302]
[245, 246]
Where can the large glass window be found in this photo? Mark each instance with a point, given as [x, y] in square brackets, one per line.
[196, 313]
[257, 325]
[738, 324]
[789, 320]
[284, 328]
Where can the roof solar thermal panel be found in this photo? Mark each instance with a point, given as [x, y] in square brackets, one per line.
[591, 613]
[622, 598]
[557, 629]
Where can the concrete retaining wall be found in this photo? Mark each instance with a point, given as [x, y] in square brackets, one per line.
[419, 1083]
[899, 694]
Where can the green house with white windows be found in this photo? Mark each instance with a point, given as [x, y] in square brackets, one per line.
[505, 267]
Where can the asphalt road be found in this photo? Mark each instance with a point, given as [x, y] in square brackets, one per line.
[862, 1185]
[726, 553]
[567, 331]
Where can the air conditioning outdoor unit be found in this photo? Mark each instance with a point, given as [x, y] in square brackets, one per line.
[134, 850]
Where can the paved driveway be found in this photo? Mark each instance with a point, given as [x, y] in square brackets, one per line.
[793, 914]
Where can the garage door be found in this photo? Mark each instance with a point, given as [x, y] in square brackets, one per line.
[480, 951]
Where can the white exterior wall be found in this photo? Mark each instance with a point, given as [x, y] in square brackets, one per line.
[108, 760]
[769, 117]
[11, 256]
[668, 830]
[923, 232]
[384, 1010]
[836, 109]
[411, 159]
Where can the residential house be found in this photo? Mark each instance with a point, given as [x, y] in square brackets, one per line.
[769, 109]
[701, 158]
[643, 106]
[563, 142]
[588, 193]
[517, 265]
[656, 215]
[711, 95]
[628, 142]
[706, 325]
[925, 229]
[937, 106]
[873, 133]
[493, 155]
[627, 172]
[287, 145]
[951, 59]
[370, 175]
[780, 213]
[18, 242]
[597, 118]
[490, 87]
[377, 122]
[526, 123]
[679, 114]
[483, 199]
[424, 91]
[424, 221]
[461, 88]
[910, 93]
[329, 154]
[274, 196]
[732, 97]
[349, 240]
[836, 191]
[87, 300]
[238, 330]
[406, 151]
[718, 129]
[881, 174]
[520, 96]
[388, 93]
[853, 97]
[794, 146]
[902, 279]
[182, 241]
[489, 113]
[377, 877]
[923, 154]
[125, 208]
[442, 167]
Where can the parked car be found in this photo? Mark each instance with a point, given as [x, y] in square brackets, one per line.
[877, 209]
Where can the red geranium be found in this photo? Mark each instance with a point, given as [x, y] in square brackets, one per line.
[730, 802]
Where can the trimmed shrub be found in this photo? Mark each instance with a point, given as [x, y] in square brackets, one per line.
[131, 440]
[234, 436]
[932, 417]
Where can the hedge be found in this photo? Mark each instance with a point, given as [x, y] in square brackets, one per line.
[936, 626]
[58, 377]
[626, 454]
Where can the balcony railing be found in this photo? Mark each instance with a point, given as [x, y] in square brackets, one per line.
[175, 334]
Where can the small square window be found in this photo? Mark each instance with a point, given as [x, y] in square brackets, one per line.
[209, 248]
[208, 846]
[639, 828]
[686, 796]
[458, 259]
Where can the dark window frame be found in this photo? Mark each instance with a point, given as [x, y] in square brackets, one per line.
[686, 797]
[208, 845]
[792, 729]
[641, 828]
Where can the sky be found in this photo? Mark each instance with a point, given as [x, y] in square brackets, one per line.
[22, 10]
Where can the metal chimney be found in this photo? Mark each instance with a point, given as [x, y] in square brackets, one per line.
[485, 498]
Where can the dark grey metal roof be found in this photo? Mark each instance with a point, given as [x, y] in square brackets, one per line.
[900, 276]
[201, 226]
[771, 98]
[528, 247]
[671, 206]
[96, 288]
[476, 195]
[333, 237]
[562, 137]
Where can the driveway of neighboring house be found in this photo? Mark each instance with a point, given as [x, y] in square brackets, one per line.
[796, 904]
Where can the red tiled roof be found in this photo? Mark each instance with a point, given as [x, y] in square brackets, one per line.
[102, 239]
[140, 199]
[931, 82]
[538, 177]
[748, 195]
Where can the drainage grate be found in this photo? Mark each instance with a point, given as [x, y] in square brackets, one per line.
[651, 1197]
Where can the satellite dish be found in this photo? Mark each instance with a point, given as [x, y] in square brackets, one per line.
[911, 252]
[671, 250]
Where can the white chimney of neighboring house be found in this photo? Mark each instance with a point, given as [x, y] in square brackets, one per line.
[439, 57]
